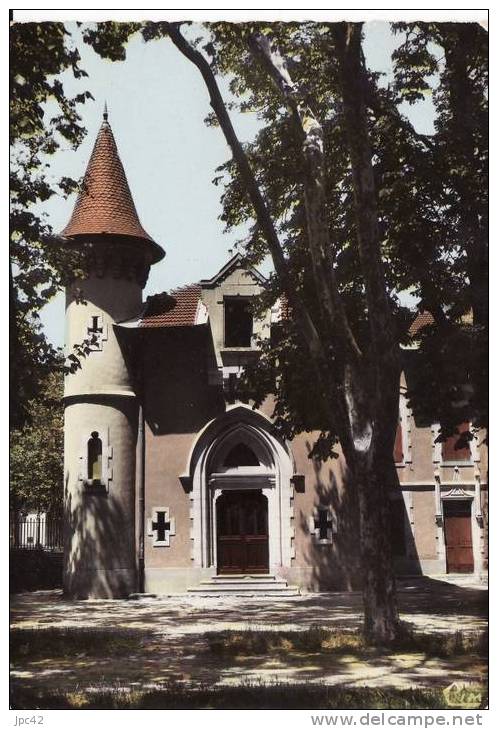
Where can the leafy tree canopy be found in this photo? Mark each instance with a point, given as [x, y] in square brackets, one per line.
[43, 118]
[431, 198]
[36, 452]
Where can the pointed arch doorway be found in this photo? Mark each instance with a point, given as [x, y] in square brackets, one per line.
[241, 496]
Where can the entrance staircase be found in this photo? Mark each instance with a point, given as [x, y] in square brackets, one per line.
[464, 580]
[244, 586]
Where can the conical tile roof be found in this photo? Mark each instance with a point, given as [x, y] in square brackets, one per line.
[104, 204]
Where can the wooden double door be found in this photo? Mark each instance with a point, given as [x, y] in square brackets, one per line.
[242, 532]
[458, 536]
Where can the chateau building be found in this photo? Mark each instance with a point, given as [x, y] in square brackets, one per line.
[170, 484]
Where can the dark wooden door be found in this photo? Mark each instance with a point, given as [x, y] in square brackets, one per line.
[458, 536]
[242, 532]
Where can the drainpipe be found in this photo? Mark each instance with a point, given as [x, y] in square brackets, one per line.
[141, 478]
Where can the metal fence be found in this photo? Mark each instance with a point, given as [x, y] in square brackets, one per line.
[35, 531]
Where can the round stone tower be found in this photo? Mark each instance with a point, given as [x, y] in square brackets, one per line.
[101, 412]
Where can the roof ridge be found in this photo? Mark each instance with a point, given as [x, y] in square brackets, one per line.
[194, 284]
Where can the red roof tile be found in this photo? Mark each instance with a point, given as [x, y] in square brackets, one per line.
[178, 309]
[105, 204]
[423, 319]
[285, 308]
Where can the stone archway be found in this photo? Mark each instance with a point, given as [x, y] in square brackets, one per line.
[270, 472]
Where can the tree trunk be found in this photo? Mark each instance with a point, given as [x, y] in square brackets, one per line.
[381, 619]
[374, 410]
[351, 402]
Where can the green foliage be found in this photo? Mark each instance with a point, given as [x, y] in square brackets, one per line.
[453, 59]
[447, 377]
[36, 452]
[432, 207]
[108, 39]
[431, 190]
[426, 187]
[43, 119]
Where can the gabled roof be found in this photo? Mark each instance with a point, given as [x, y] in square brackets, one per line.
[105, 205]
[237, 261]
[181, 308]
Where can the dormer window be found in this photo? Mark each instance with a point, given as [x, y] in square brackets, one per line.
[238, 322]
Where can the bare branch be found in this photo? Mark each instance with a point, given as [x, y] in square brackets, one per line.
[311, 132]
[263, 216]
[347, 40]
[309, 332]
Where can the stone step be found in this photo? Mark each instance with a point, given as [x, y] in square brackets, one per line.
[461, 579]
[244, 586]
[245, 576]
[241, 586]
[246, 582]
[247, 592]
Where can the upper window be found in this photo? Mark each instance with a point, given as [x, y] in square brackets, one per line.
[454, 448]
[238, 322]
[240, 455]
[95, 457]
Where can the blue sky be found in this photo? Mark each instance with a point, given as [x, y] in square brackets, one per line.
[157, 105]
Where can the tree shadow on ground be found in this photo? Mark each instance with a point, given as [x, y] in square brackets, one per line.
[176, 633]
[425, 598]
[187, 659]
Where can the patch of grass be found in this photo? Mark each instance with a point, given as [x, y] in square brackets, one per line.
[249, 696]
[442, 645]
[260, 642]
[320, 640]
[38, 643]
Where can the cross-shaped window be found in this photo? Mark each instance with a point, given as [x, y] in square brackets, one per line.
[96, 327]
[323, 523]
[97, 331]
[161, 526]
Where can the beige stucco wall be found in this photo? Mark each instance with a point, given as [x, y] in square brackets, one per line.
[99, 538]
[421, 468]
[115, 300]
[100, 550]
[330, 566]
[424, 522]
[166, 459]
